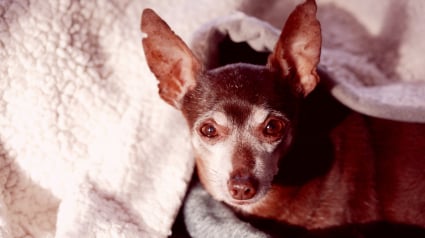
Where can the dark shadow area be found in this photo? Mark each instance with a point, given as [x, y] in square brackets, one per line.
[320, 114]
[368, 230]
[179, 228]
[232, 52]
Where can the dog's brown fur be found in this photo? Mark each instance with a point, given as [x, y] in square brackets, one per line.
[374, 171]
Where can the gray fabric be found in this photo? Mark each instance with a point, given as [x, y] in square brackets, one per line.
[206, 217]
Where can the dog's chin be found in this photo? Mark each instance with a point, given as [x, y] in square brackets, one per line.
[241, 203]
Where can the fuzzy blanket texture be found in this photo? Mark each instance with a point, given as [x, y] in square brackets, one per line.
[88, 149]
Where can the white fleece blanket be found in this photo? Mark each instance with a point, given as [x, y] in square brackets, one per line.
[87, 147]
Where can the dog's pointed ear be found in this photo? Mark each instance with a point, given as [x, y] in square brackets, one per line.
[169, 59]
[297, 53]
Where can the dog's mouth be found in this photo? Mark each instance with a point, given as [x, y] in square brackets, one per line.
[240, 203]
[235, 202]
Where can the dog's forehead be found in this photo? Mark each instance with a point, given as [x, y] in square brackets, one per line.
[235, 90]
[239, 114]
[249, 83]
[240, 77]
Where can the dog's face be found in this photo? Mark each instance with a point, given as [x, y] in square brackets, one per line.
[241, 116]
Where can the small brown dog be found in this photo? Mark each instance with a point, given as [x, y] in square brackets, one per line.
[269, 151]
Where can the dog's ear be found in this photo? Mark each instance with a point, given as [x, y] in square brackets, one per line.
[297, 52]
[169, 58]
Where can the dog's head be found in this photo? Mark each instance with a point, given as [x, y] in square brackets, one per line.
[241, 115]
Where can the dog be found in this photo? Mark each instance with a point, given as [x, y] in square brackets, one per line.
[271, 146]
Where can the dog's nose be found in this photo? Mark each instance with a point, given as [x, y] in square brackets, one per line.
[242, 186]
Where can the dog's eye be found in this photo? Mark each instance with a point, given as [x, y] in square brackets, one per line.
[274, 128]
[208, 130]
